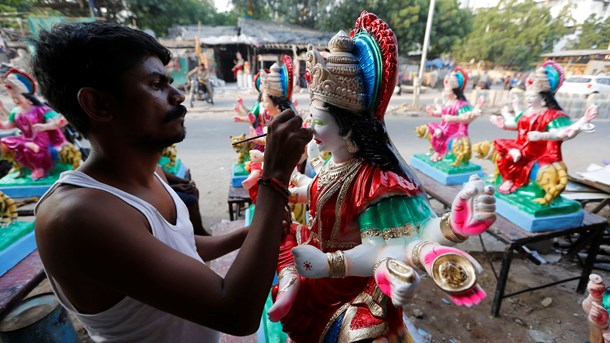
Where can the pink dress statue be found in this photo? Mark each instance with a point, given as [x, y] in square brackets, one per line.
[35, 157]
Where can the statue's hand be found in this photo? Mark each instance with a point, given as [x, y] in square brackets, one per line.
[515, 154]
[533, 136]
[598, 315]
[591, 113]
[236, 119]
[310, 261]
[497, 121]
[289, 287]
[32, 146]
[430, 110]
[480, 102]
[240, 101]
[452, 273]
[473, 209]
[397, 280]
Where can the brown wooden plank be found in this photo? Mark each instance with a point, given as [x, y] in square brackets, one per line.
[19, 281]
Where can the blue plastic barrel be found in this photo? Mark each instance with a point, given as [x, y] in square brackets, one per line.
[38, 319]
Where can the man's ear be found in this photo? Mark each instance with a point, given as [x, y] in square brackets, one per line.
[94, 103]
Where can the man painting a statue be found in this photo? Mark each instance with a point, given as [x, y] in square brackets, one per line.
[114, 238]
[128, 265]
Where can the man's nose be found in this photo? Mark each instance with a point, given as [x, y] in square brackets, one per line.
[177, 97]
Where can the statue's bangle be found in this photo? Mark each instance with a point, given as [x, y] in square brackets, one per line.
[336, 264]
[448, 232]
[383, 260]
[283, 272]
[276, 185]
[286, 286]
[416, 254]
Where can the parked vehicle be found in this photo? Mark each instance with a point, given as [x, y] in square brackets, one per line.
[199, 91]
[586, 85]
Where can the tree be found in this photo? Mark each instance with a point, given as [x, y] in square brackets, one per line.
[513, 33]
[160, 15]
[407, 18]
[594, 34]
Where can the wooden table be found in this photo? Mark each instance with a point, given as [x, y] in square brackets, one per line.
[19, 281]
[515, 238]
[237, 199]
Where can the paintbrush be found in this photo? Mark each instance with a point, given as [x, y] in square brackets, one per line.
[294, 110]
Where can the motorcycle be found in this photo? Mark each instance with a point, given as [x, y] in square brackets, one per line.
[199, 91]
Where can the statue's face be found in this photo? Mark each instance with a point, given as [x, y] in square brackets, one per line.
[533, 99]
[269, 106]
[326, 132]
[448, 93]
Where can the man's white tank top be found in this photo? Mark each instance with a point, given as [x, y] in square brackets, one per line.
[131, 320]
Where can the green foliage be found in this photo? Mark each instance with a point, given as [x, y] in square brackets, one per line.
[594, 34]
[513, 33]
[160, 15]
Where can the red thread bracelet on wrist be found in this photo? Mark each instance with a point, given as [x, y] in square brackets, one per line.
[275, 184]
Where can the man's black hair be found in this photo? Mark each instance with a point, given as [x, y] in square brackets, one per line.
[76, 55]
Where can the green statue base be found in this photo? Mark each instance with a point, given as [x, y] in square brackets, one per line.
[442, 171]
[521, 208]
[23, 187]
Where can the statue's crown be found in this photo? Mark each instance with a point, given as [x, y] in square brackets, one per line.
[336, 79]
[547, 78]
[272, 81]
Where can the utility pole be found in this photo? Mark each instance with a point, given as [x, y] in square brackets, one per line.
[417, 82]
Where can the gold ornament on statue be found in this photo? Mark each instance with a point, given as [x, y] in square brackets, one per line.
[453, 273]
[337, 80]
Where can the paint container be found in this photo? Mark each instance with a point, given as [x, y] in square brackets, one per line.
[38, 319]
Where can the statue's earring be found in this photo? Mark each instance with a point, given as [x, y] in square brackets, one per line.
[352, 148]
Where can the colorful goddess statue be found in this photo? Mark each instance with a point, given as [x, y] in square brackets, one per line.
[251, 116]
[596, 307]
[451, 148]
[41, 143]
[531, 170]
[276, 95]
[346, 275]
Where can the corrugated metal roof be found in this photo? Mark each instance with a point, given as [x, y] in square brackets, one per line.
[254, 32]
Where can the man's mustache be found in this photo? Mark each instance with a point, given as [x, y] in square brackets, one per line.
[175, 113]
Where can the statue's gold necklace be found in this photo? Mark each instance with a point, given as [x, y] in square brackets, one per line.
[333, 172]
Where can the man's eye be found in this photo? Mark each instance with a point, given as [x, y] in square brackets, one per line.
[156, 85]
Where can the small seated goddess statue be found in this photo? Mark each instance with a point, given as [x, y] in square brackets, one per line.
[451, 134]
[346, 275]
[41, 137]
[541, 128]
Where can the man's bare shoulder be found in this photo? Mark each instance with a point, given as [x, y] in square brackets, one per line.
[72, 208]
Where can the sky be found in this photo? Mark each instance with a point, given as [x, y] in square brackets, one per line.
[222, 5]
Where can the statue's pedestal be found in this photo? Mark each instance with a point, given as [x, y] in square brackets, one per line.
[16, 242]
[25, 187]
[520, 208]
[178, 169]
[443, 172]
[238, 174]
